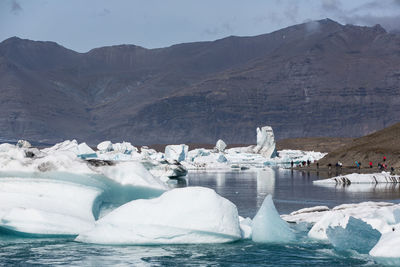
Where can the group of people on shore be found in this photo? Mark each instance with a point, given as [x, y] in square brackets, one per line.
[382, 166]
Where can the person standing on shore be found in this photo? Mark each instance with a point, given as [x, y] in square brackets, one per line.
[384, 158]
[370, 164]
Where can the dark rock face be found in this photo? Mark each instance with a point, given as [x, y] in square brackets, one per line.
[315, 79]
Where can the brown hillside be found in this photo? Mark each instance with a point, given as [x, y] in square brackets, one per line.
[369, 148]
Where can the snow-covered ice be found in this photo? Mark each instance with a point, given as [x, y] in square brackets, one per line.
[268, 227]
[179, 216]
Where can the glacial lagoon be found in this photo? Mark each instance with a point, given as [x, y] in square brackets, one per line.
[291, 190]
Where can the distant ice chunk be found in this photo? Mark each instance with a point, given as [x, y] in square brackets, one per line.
[180, 216]
[357, 235]
[105, 146]
[124, 148]
[220, 146]
[176, 152]
[84, 151]
[23, 144]
[361, 178]
[268, 227]
[265, 142]
[67, 145]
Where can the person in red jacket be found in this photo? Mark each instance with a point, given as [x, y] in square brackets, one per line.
[384, 158]
[370, 164]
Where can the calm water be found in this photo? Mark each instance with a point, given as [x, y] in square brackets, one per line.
[291, 191]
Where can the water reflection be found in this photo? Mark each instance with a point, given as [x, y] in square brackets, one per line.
[359, 188]
[291, 190]
[265, 184]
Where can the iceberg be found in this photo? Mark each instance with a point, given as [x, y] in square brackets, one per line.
[23, 144]
[105, 146]
[180, 216]
[176, 152]
[265, 142]
[268, 227]
[361, 178]
[220, 146]
[46, 207]
[84, 151]
[357, 235]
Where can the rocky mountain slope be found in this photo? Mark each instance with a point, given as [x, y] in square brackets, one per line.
[315, 79]
[372, 147]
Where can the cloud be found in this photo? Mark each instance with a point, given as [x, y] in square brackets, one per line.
[365, 13]
[15, 7]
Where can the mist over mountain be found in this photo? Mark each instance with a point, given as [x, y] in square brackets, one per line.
[319, 78]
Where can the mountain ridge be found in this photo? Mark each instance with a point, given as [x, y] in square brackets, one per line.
[319, 78]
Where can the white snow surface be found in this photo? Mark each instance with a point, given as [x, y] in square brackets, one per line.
[179, 216]
[268, 227]
[361, 178]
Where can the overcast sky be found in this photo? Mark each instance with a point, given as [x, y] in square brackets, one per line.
[85, 24]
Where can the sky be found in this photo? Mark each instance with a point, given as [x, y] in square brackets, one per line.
[85, 24]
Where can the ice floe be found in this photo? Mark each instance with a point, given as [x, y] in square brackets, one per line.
[180, 216]
[361, 178]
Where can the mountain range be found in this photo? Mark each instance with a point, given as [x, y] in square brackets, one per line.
[319, 78]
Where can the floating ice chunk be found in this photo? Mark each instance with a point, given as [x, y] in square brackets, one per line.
[179, 216]
[387, 249]
[46, 207]
[220, 146]
[357, 235]
[245, 227]
[84, 151]
[124, 147]
[361, 178]
[105, 146]
[132, 173]
[23, 144]
[67, 145]
[176, 152]
[331, 219]
[268, 227]
[265, 142]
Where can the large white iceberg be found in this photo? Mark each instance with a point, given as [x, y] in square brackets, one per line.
[179, 216]
[268, 227]
[220, 146]
[265, 142]
[46, 207]
[176, 152]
